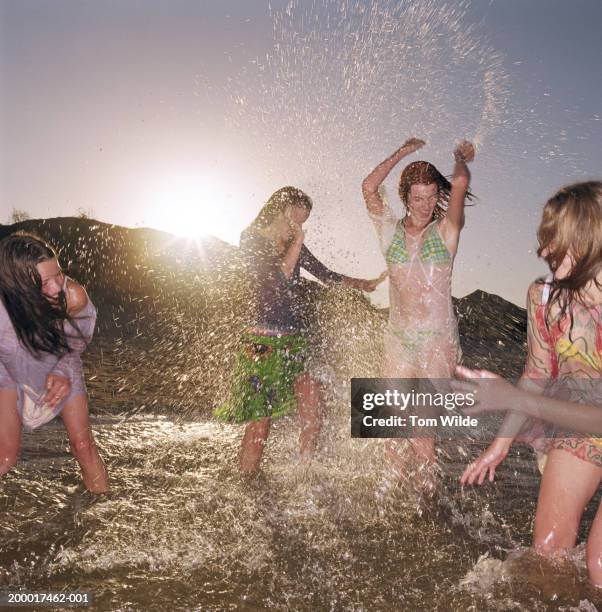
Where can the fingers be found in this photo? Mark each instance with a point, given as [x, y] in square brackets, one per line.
[369, 286]
[470, 473]
[483, 474]
[478, 470]
[57, 389]
[465, 373]
[476, 475]
[414, 143]
[465, 152]
[465, 474]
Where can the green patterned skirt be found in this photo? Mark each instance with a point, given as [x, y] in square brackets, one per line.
[264, 378]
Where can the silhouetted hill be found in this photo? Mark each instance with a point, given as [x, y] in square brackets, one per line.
[493, 332]
[171, 312]
[133, 273]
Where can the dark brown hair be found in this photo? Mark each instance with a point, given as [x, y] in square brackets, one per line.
[278, 201]
[424, 173]
[37, 321]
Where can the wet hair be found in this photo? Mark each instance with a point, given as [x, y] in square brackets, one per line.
[424, 173]
[278, 201]
[38, 322]
[572, 221]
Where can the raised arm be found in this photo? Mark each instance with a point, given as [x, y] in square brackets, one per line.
[373, 181]
[452, 224]
[294, 250]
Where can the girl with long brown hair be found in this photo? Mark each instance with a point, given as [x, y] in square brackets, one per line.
[275, 372]
[46, 321]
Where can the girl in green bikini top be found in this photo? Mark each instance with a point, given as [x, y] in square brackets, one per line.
[433, 248]
[420, 248]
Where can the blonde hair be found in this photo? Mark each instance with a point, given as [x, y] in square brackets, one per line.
[572, 222]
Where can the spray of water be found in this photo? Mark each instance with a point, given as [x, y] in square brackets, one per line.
[338, 72]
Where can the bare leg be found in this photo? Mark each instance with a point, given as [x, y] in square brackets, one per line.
[77, 423]
[10, 430]
[440, 365]
[567, 485]
[421, 460]
[253, 442]
[307, 391]
[594, 550]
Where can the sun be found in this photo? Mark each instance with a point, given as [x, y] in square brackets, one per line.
[189, 206]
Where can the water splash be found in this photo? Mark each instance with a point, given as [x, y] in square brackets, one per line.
[340, 73]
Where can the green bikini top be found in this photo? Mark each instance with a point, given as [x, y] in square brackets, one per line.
[433, 249]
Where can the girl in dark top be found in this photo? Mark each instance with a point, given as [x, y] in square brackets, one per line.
[271, 373]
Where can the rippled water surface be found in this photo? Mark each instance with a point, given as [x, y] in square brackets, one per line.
[181, 529]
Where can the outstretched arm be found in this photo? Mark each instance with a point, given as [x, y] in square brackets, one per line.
[373, 181]
[496, 394]
[365, 284]
[314, 266]
[537, 370]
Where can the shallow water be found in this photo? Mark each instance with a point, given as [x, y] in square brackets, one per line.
[181, 529]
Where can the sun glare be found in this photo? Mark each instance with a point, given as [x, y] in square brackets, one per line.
[190, 207]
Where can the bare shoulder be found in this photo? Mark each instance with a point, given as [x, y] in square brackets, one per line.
[535, 293]
[76, 295]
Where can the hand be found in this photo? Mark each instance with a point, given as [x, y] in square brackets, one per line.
[492, 392]
[57, 389]
[297, 232]
[413, 144]
[486, 463]
[295, 229]
[369, 285]
[465, 152]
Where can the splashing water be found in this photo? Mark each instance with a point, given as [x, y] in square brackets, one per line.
[340, 71]
[181, 528]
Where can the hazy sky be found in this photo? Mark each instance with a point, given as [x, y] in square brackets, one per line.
[186, 115]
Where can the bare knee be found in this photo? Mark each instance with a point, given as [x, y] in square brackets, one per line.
[306, 385]
[83, 447]
[258, 431]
